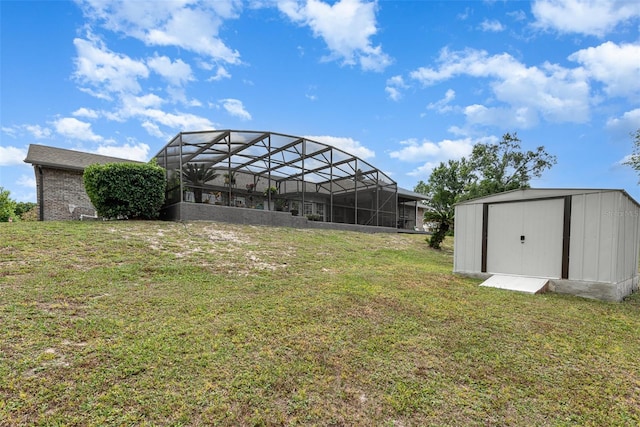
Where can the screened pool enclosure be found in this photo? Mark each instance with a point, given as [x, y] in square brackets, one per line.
[274, 172]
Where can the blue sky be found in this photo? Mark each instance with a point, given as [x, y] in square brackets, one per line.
[402, 84]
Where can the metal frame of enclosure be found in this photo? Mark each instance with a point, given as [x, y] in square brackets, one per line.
[277, 172]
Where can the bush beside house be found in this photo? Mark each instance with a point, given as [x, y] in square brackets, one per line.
[125, 190]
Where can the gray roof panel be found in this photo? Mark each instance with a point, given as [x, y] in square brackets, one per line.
[61, 158]
[403, 193]
[538, 193]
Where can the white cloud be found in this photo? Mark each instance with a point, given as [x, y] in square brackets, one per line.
[396, 81]
[456, 63]
[112, 73]
[465, 15]
[136, 103]
[132, 106]
[73, 128]
[590, 17]
[153, 129]
[86, 112]
[38, 131]
[616, 66]
[194, 103]
[558, 94]
[416, 151]
[26, 181]
[176, 73]
[146, 108]
[442, 105]
[310, 94]
[492, 26]
[433, 153]
[235, 108]
[522, 117]
[194, 30]
[348, 145]
[180, 121]
[137, 151]
[179, 95]
[517, 15]
[96, 94]
[424, 170]
[345, 26]
[456, 130]
[105, 70]
[11, 131]
[628, 122]
[394, 86]
[394, 93]
[10, 156]
[190, 25]
[221, 73]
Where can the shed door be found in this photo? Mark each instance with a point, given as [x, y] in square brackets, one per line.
[525, 238]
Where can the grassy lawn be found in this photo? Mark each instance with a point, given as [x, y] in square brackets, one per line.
[157, 323]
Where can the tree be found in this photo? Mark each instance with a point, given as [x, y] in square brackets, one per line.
[7, 206]
[491, 168]
[447, 184]
[504, 166]
[634, 159]
[198, 175]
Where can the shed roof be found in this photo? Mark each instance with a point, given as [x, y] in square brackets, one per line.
[62, 158]
[540, 193]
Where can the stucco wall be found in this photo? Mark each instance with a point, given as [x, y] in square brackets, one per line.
[64, 196]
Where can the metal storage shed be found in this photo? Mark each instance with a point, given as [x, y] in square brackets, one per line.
[585, 240]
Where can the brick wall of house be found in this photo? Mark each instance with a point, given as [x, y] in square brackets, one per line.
[64, 195]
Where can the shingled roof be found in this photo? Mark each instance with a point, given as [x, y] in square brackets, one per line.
[61, 158]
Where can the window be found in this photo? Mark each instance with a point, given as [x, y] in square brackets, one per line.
[308, 208]
[314, 209]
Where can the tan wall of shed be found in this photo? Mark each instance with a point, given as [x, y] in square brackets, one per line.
[604, 238]
[467, 239]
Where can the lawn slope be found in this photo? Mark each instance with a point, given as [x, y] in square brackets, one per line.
[160, 323]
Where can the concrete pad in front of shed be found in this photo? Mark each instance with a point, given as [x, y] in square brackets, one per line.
[531, 285]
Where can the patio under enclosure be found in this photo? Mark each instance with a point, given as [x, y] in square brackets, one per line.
[272, 172]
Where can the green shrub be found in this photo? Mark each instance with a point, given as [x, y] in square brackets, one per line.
[30, 215]
[23, 207]
[125, 190]
[7, 206]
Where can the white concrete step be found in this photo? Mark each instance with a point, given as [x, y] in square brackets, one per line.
[531, 285]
